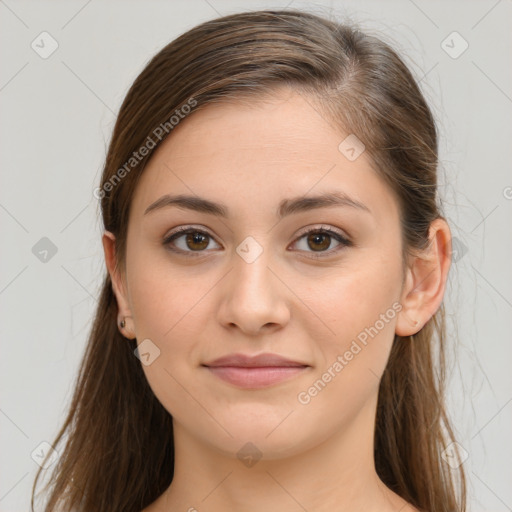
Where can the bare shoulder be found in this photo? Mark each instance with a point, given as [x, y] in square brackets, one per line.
[399, 504]
[151, 508]
[159, 505]
[407, 507]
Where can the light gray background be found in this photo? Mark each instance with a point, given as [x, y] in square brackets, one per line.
[57, 118]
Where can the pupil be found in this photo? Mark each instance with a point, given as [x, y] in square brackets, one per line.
[317, 239]
[197, 238]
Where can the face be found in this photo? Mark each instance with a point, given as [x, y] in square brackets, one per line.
[316, 283]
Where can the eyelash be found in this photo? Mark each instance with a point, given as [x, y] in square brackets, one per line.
[344, 242]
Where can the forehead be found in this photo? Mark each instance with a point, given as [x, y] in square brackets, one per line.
[265, 149]
[273, 126]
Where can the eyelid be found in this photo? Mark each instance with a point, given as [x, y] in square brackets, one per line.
[323, 228]
[183, 230]
[343, 239]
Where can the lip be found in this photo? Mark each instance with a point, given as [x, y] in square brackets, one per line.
[256, 361]
[253, 372]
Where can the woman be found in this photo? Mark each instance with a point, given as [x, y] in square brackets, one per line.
[270, 330]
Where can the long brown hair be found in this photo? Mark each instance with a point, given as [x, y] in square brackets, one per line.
[119, 452]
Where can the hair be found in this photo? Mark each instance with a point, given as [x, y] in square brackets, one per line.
[119, 451]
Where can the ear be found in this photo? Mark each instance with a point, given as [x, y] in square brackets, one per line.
[425, 281]
[118, 286]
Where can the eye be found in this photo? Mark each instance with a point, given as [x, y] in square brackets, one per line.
[320, 239]
[188, 239]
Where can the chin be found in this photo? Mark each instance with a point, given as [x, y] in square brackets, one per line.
[263, 437]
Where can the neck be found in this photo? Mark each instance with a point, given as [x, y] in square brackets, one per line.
[337, 474]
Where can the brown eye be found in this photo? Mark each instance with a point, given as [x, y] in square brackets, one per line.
[320, 240]
[196, 241]
[188, 240]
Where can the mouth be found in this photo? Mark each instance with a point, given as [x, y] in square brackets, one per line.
[254, 372]
[255, 377]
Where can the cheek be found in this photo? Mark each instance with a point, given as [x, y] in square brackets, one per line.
[351, 299]
[359, 306]
[351, 361]
[161, 297]
[163, 311]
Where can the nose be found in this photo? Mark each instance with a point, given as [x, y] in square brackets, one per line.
[254, 297]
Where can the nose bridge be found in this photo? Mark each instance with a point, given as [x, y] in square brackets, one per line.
[254, 296]
[251, 275]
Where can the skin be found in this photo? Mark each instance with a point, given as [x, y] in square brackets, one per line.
[316, 456]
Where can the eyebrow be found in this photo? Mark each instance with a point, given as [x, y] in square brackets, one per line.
[286, 207]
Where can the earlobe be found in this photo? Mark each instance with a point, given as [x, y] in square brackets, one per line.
[425, 282]
[124, 311]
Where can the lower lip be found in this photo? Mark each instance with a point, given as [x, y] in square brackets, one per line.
[255, 377]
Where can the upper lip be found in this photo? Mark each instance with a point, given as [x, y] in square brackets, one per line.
[260, 360]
